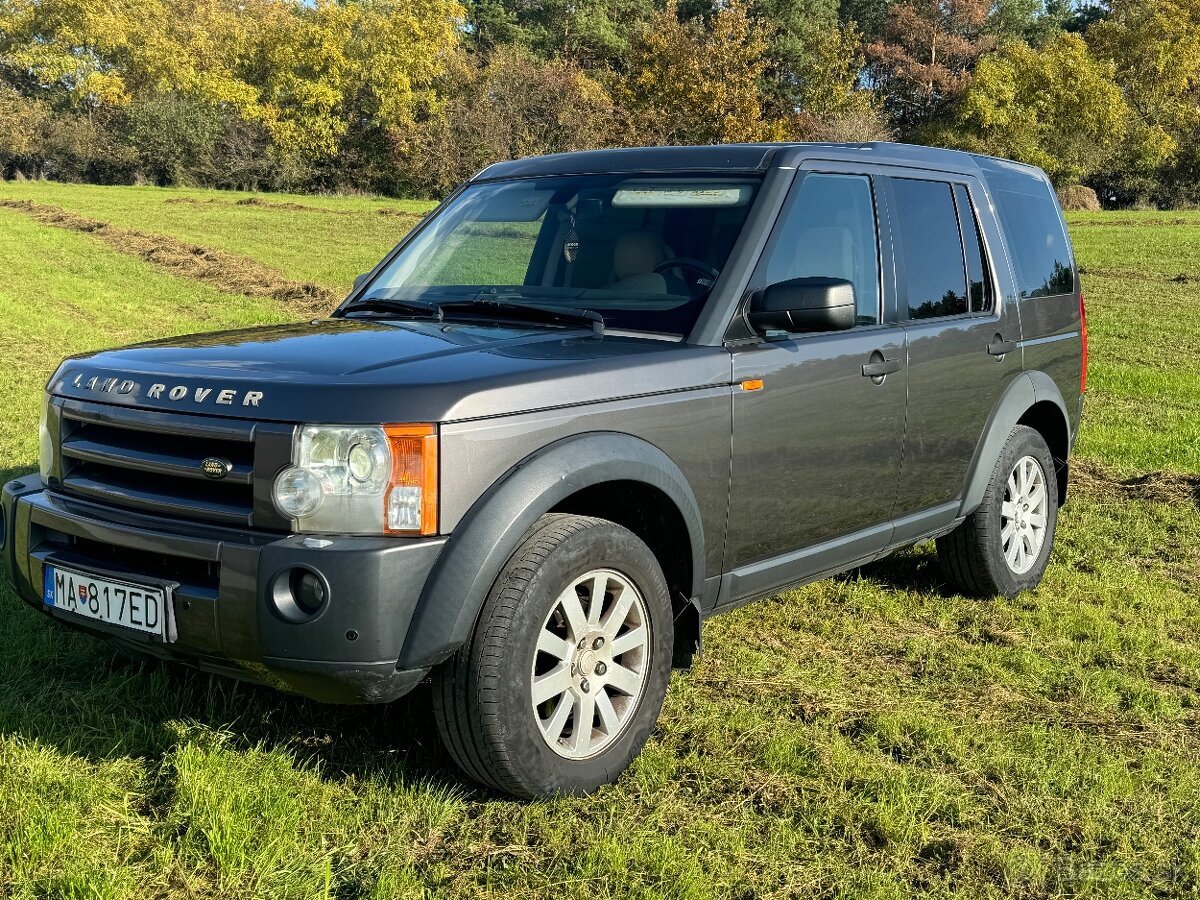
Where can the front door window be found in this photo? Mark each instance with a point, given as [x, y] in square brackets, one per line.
[828, 230]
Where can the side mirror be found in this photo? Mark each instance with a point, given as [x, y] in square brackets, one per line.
[359, 280]
[805, 304]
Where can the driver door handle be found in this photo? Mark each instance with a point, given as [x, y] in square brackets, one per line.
[879, 368]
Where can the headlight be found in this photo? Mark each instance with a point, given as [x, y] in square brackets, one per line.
[298, 492]
[361, 480]
[45, 442]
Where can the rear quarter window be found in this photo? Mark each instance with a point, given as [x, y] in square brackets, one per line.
[1033, 229]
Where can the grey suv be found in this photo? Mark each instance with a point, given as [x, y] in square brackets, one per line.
[592, 400]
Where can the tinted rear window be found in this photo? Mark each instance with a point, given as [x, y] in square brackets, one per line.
[1033, 229]
[931, 247]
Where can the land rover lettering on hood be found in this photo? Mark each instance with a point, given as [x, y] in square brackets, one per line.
[175, 393]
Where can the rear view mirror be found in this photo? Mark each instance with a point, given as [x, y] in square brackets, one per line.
[589, 208]
[805, 304]
[360, 280]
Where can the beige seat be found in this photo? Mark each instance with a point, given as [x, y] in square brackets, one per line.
[635, 255]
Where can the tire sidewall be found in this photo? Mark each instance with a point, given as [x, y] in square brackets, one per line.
[601, 545]
[1023, 442]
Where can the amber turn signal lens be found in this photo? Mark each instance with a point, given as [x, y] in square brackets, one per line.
[411, 500]
[752, 384]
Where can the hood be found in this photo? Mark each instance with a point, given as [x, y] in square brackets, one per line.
[357, 371]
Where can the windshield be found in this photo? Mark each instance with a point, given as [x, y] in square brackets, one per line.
[643, 252]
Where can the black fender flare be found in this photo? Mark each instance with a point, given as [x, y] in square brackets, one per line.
[1022, 393]
[492, 528]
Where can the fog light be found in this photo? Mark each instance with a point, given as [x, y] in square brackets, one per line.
[308, 591]
[299, 594]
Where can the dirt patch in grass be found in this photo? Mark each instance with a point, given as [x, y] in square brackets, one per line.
[399, 213]
[1178, 489]
[1136, 275]
[258, 203]
[288, 205]
[223, 271]
[1156, 487]
[1133, 223]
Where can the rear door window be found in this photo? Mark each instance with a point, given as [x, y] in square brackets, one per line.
[930, 248]
[977, 272]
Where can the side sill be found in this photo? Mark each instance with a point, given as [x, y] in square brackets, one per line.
[770, 577]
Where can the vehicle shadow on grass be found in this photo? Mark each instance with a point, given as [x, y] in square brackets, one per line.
[88, 698]
[912, 569]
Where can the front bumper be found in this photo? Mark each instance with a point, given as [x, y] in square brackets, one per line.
[224, 618]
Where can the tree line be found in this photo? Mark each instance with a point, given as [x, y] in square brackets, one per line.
[412, 96]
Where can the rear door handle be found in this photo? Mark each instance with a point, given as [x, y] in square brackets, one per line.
[1000, 347]
[879, 368]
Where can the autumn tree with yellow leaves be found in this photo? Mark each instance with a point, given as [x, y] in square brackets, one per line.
[688, 83]
[306, 74]
[1057, 107]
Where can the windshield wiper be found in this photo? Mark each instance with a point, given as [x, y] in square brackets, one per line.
[510, 309]
[485, 305]
[393, 305]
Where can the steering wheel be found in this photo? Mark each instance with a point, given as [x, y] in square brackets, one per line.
[687, 262]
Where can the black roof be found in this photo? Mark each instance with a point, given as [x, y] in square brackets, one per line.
[731, 158]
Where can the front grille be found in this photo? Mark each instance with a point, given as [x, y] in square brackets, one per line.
[151, 462]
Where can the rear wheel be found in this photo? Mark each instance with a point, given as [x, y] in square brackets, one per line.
[561, 683]
[1004, 546]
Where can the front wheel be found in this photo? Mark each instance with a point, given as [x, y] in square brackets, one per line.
[1004, 546]
[562, 682]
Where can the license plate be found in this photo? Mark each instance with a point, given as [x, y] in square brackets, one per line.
[140, 607]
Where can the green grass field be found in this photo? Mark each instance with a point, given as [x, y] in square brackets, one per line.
[871, 736]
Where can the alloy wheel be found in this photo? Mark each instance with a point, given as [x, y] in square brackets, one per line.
[1023, 515]
[590, 667]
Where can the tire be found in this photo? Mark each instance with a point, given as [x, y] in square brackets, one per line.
[974, 557]
[483, 696]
